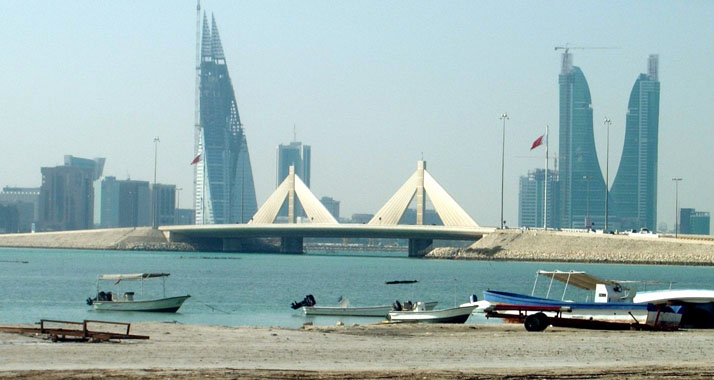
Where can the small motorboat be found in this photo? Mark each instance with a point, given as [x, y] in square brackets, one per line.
[109, 301]
[420, 314]
[308, 306]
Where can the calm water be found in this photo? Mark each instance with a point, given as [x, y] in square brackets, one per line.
[257, 289]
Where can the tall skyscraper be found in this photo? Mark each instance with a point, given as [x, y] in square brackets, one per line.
[165, 198]
[294, 154]
[634, 191]
[67, 194]
[224, 189]
[531, 196]
[581, 195]
[66, 199]
[26, 201]
[298, 155]
[122, 203]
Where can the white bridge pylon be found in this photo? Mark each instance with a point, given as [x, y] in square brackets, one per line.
[421, 184]
[289, 189]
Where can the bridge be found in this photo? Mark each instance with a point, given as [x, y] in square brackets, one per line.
[458, 225]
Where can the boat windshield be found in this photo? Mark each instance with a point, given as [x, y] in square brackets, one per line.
[117, 278]
[578, 279]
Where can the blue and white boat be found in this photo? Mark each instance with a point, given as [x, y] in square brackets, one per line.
[625, 312]
[612, 302]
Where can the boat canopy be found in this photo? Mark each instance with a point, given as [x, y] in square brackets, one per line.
[579, 279]
[133, 276]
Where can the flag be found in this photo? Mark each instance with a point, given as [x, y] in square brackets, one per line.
[196, 160]
[538, 142]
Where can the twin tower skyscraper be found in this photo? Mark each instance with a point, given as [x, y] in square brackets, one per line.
[580, 193]
[224, 191]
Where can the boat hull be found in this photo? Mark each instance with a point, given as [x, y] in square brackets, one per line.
[367, 311]
[162, 305]
[453, 315]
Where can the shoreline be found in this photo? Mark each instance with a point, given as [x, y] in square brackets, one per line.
[369, 351]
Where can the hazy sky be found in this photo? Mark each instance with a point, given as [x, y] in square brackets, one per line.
[370, 85]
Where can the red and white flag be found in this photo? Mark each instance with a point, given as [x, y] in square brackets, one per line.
[196, 159]
[538, 142]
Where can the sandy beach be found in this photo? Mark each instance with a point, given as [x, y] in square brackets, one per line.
[365, 352]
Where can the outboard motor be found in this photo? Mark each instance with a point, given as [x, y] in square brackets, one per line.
[309, 300]
[396, 306]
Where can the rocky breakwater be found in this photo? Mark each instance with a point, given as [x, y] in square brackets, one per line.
[538, 245]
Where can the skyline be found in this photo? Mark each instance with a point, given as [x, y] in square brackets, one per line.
[365, 86]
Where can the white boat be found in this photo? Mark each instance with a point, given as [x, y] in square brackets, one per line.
[109, 301]
[695, 305]
[674, 296]
[356, 311]
[420, 314]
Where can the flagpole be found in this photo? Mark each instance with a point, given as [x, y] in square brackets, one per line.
[545, 181]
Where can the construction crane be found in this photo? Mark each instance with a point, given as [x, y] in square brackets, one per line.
[567, 48]
[567, 58]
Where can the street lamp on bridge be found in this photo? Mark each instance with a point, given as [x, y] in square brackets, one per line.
[607, 122]
[504, 117]
[676, 205]
[587, 179]
[154, 205]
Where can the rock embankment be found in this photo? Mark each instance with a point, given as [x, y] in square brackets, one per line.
[534, 245]
[139, 238]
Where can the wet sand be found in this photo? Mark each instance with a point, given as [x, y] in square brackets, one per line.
[366, 352]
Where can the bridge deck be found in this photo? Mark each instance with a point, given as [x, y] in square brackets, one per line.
[308, 230]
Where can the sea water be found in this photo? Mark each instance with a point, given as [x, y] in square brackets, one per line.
[257, 289]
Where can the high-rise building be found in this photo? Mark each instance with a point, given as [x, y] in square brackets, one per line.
[67, 194]
[293, 154]
[165, 198]
[184, 216]
[333, 206]
[694, 222]
[66, 198]
[122, 203]
[26, 202]
[9, 218]
[531, 197]
[298, 155]
[224, 189]
[634, 191]
[96, 165]
[581, 186]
